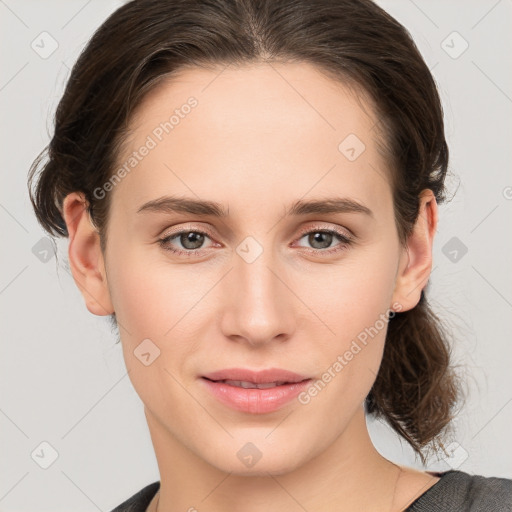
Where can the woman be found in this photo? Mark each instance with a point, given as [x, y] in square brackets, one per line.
[250, 191]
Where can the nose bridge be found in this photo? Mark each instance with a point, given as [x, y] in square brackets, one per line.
[258, 305]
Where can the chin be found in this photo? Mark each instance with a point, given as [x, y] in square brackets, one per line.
[275, 467]
[258, 457]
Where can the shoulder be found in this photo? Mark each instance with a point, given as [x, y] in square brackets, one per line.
[460, 491]
[140, 500]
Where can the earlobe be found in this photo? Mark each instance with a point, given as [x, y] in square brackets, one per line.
[416, 259]
[85, 256]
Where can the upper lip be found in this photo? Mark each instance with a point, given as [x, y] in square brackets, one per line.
[258, 377]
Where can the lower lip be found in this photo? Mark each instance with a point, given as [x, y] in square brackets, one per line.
[255, 401]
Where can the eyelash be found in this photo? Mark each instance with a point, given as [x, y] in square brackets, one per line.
[345, 241]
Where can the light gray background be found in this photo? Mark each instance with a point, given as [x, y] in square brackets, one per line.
[64, 381]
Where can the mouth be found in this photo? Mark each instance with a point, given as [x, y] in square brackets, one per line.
[255, 392]
[241, 376]
[253, 385]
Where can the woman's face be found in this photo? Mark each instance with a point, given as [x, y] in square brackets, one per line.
[259, 287]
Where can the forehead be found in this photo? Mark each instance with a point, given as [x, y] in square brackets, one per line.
[235, 131]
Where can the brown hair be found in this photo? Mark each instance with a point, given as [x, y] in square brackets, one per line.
[352, 41]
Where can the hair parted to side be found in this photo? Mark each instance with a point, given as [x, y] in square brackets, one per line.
[352, 41]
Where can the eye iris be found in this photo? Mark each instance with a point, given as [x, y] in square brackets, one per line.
[191, 237]
[317, 237]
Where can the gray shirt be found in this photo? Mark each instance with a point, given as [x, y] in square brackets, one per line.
[456, 491]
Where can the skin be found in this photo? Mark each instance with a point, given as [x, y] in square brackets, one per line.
[261, 137]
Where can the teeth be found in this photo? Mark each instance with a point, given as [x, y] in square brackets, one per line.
[252, 385]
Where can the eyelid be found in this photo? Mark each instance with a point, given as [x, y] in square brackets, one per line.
[304, 230]
[174, 233]
[181, 228]
[318, 227]
[346, 238]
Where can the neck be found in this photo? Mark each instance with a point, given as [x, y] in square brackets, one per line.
[348, 475]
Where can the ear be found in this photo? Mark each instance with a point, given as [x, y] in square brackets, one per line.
[85, 256]
[416, 258]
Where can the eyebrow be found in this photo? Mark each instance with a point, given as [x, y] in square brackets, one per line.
[169, 204]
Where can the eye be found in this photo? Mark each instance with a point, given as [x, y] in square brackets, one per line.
[191, 242]
[321, 239]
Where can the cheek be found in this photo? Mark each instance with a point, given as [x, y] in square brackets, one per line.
[354, 302]
[154, 307]
[338, 333]
[156, 298]
[153, 297]
[353, 294]
[176, 304]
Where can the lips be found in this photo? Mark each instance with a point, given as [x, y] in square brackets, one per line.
[268, 376]
[252, 385]
[255, 392]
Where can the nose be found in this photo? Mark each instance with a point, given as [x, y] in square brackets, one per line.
[258, 306]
